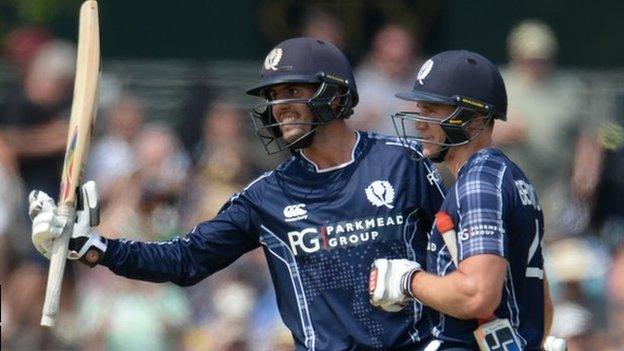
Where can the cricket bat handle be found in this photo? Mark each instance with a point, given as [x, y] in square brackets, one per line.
[57, 267]
[450, 240]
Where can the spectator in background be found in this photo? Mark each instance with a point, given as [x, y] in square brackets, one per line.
[545, 124]
[321, 24]
[33, 128]
[615, 294]
[146, 199]
[121, 314]
[112, 156]
[22, 44]
[34, 122]
[12, 229]
[129, 315]
[224, 165]
[198, 100]
[389, 67]
[574, 323]
[607, 210]
[579, 267]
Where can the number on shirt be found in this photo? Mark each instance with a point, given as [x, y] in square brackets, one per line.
[533, 270]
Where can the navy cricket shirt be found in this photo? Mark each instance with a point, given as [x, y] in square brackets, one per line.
[320, 231]
[495, 211]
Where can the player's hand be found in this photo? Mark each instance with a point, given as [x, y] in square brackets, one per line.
[555, 344]
[84, 245]
[47, 225]
[389, 283]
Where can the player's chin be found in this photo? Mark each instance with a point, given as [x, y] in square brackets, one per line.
[292, 133]
[430, 149]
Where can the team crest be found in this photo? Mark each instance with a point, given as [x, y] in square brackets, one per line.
[380, 193]
[423, 72]
[272, 59]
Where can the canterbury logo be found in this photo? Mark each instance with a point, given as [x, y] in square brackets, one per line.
[380, 193]
[295, 213]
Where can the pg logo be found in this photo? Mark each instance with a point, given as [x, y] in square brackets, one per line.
[307, 240]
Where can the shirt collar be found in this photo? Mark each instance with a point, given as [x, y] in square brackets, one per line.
[313, 167]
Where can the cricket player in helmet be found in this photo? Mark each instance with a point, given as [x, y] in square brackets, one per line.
[484, 269]
[321, 217]
[470, 84]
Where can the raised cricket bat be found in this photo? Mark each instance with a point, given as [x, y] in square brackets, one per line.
[84, 107]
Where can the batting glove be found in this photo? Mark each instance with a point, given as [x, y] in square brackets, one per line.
[47, 225]
[389, 283]
[84, 245]
[555, 344]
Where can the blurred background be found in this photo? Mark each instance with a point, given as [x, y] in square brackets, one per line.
[173, 143]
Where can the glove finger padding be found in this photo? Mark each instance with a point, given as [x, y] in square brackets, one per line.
[47, 226]
[38, 201]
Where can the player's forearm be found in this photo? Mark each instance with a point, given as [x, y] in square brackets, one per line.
[154, 262]
[456, 294]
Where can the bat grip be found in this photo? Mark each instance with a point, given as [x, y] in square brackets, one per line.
[57, 267]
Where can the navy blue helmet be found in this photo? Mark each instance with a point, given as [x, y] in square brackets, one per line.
[460, 78]
[304, 61]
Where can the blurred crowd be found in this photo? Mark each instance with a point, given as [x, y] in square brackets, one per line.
[156, 181]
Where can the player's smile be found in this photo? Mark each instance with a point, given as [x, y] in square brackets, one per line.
[288, 117]
[293, 122]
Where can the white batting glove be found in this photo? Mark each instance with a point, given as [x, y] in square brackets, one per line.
[47, 225]
[389, 283]
[85, 246]
[553, 343]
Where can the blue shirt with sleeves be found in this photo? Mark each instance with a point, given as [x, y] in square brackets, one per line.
[320, 231]
[495, 211]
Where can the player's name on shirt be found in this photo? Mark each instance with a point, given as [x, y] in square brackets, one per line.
[526, 192]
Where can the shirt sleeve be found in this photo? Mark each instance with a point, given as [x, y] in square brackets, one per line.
[480, 207]
[209, 247]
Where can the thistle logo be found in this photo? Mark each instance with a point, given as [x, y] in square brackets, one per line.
[295, 213]
[272, 59]
[380, 193]
[424, 71]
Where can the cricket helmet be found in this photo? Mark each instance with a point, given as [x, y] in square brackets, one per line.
[304, 61]
[460, 78]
